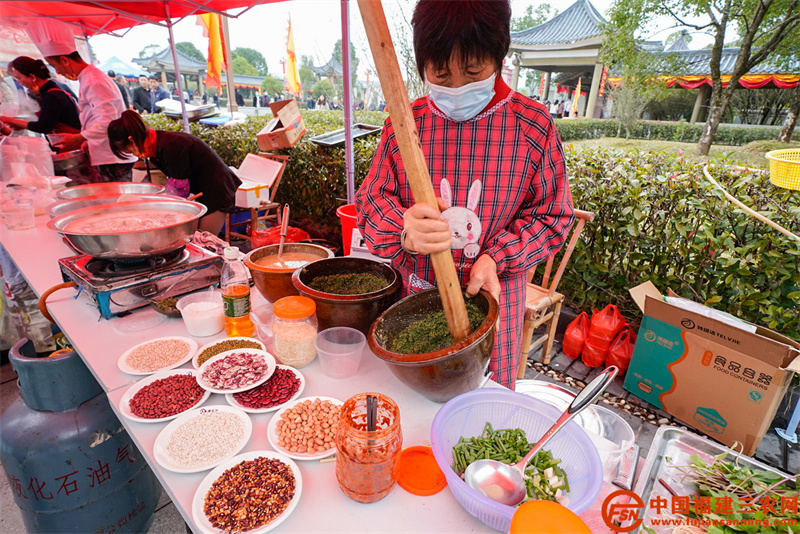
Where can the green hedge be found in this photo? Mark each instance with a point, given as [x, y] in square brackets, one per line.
[659, 219]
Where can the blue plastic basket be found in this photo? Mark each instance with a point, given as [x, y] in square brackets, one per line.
[467, 414]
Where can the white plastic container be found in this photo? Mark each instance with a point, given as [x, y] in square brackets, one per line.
[18, 214]
[340, 350]
[203, 313]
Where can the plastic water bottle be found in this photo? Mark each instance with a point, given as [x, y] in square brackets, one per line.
[236, 295]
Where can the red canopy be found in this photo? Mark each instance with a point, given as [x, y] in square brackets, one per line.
[105, 16]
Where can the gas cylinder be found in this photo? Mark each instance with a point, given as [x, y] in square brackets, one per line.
[70, 464]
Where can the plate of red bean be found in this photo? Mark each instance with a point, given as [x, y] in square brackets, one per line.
[237, 370]
[202, 439]
[163, 396]
[306, 428]
[285, 385]
[157, 355]
[228, 498]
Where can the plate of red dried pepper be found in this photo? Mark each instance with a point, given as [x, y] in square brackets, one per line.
[236, 370]
[163, 396]
[263, 511]
[285, 385]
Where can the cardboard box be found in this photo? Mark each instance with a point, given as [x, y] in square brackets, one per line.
[725, 381]
[258, 175]
[285, 129]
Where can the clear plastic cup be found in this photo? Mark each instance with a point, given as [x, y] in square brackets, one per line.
[262, 318]
[203, 313]
[610, 433]
[18, 214]
[340, 350]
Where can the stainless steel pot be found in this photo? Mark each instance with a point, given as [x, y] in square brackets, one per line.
[61, 207]
[69, 160]
[109, 188]
[137, 244]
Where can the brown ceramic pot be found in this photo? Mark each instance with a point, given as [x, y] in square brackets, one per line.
[275, 284]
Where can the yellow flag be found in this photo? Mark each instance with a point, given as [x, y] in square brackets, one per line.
[574, 107]
[292, 81]
[212, 29]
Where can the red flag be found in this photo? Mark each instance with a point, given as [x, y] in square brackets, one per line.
[212, 29]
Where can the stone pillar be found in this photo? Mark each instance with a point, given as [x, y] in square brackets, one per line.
[515, 76]
[597, 75]
[546, 91]
[698, 111]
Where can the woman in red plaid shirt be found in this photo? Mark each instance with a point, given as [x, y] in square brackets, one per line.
[495, 158]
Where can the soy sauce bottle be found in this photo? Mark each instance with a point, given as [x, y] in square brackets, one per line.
[235, 287]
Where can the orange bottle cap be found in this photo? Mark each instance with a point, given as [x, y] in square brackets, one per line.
[419, 472]
[294, 307]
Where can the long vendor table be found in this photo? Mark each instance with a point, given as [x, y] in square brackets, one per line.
[322, 507]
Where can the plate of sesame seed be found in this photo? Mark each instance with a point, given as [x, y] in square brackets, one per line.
[202, 439]
[228, 498]
[157, 355]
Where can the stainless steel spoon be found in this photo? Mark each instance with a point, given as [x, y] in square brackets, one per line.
[504, 483]
[284, 228]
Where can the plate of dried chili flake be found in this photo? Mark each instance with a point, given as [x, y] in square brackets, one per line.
[163, 396]
[157, 355]
[285, 385]
[228, 491]
[236, 370]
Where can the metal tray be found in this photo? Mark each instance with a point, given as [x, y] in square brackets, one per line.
[673, 447]
[336, 137]
[200, 112]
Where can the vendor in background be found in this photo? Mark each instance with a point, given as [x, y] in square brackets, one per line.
[59, 108]
[141, 95]
[157, 94]
[99, 102]
[501, 156]
[180, 156]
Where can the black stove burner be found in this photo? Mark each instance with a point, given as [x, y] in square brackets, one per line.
[106, 269]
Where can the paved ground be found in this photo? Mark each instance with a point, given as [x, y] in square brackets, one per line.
[642, 417]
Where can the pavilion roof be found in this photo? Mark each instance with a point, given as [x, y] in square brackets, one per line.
[165, 57]
[578, 22]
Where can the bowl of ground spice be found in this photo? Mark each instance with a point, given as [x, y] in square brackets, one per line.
[348, 291]
[413, 338]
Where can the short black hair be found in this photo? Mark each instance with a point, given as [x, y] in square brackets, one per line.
[74, 56]
[130, 124]
[143, 76]
[154, 77]
[112, 74]
[26, 66]
[475, 29]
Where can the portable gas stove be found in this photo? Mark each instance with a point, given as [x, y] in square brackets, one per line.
[120, 286]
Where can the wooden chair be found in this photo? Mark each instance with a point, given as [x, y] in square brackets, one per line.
[271, 209]
[543, 303]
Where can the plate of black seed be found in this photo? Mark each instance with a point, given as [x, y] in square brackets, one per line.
[232, 497]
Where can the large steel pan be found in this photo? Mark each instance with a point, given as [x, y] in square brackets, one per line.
[60, 207]
[109, 188]
[135, 244]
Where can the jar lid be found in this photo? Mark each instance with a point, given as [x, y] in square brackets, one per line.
[294, 307]
[419, 472]
[231, 253]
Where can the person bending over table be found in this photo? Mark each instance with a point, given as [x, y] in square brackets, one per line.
[180, 156]
[496, 162]
[59, 109]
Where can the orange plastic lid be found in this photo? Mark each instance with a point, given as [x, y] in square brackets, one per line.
[419, 472]
[294, 307]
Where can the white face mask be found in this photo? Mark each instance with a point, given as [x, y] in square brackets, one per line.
[463, 103]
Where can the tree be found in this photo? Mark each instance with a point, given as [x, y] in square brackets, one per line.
[253, 57]
[307, 78]
[242, 66]
[323, 87]
[674, 36]
[762, 26]
[190, 50]
[150, 50]
[533, 17]
[271, 85]
[337, 53]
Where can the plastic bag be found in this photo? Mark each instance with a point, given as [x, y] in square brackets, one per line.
[621, 349]
[604, 326]
[272, 236]
[575, 335]
[592, 355]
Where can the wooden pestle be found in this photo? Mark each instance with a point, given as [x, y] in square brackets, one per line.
[405, 130]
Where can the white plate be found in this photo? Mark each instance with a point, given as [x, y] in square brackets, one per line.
[272, 434]
[209, 345]
[233, 402]
[269, 358]
[125, 368]
[160, 446]
[124, 402]
[198, 502]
